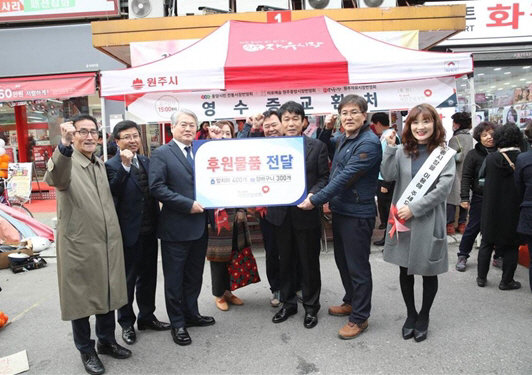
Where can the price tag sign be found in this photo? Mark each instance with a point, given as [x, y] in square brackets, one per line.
[279, 16]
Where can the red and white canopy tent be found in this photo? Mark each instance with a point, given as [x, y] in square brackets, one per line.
[311, 53]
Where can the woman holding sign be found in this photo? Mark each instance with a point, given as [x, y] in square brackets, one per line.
[424, 169]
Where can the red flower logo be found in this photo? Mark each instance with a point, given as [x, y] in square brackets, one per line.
[265, 189]
[428, 92]
[137, 84]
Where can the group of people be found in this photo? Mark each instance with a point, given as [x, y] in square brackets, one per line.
[110, 217]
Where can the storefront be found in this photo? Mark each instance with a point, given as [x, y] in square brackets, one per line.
[499, 33]
[48, 74]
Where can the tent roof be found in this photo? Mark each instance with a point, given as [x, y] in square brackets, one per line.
[312, 52]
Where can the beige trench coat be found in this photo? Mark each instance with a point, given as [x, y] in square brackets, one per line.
[90, 258]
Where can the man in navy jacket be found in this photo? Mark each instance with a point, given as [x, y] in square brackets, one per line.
[137, 213]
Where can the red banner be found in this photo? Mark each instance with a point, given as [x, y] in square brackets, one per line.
[47, 87]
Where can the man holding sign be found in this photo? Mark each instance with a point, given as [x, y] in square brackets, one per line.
[297, 232]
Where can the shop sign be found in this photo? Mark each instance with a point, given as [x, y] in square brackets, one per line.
[47, 87]
[212, 105]
[37, 10]
[494, 21]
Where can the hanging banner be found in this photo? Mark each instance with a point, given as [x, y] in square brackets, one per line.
[47, 87]
[213, 105]
[250, 172]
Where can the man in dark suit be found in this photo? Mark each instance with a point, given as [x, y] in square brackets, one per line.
[297, 232]
[182, 226]
[137, 213]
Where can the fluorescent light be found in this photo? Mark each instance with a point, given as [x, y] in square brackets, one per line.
[462, 85]
[492, 87]
[499, 89]
[514, 85]
[507, 72]
[526, 67]
[506, 83]
[480, 74]
[497, 69]
[528, 81]
[522, 79]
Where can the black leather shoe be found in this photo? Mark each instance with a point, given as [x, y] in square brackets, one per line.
[181, 336]
[420, 331]
[311, 320]
[408, 333]
[154, 324]
[128, 335]
[92, 363]
[481, 282]
[509, 286]
[200, 321]
[379, 243]
[283, 314]
[114, 350]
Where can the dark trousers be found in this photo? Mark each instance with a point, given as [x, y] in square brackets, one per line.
[529, 243]
[141, 276]
[473, 226]
[352, 244]
[384, 200]
[299, 249]
[272, 254]
[509, 256]
[105, 331]
[451, 212]
[183, 264]
[219, 278]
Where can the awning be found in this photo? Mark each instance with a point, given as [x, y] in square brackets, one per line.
[47, 87]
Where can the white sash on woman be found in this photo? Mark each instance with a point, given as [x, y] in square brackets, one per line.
[420, 184]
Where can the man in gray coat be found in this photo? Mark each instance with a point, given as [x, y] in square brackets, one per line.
[90, 259]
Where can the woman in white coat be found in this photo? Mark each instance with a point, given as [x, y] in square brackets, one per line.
[416, 239]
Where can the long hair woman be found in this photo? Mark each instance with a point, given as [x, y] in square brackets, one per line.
[416, 239]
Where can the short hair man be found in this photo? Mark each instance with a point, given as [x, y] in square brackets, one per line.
[137, 213]
[90, 259]
[297, 232]
[182, 226]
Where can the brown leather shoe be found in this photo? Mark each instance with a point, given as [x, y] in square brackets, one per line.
[352, 330]
[342, 310]
[221, 303]
[233, 300]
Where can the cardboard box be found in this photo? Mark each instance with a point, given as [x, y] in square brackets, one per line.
[4, 260]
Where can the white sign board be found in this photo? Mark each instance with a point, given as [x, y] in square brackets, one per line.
[250, 172]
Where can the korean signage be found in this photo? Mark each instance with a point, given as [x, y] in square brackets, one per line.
[494, 21]
[37, 10]
[46, 87]
[212, 105]
[250, 172]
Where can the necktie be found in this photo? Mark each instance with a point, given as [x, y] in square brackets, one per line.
[188, 149]
[135, 163]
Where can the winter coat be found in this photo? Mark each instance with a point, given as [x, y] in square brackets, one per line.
[90, 258]
[500, 206]
[423, 249]
[354, 174]
[470, 170]
[462, 142]
[523, 183]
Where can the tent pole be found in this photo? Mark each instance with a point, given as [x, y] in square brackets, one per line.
[472, 98]
[104, 129]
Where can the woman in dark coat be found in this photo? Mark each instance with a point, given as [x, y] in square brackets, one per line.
[523, 182]
[483, 134]
[500, 208]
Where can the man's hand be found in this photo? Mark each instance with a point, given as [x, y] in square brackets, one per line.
[330, 120]
[240, 216]
[390, 137]
[404, 213]
[214, 132]
[67, 133]
[126, 156]
[384, 190]
[306, 204]
[464, 205]
[196, 208]
[257, 121]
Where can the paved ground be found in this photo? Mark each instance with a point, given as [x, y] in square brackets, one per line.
[472, 330]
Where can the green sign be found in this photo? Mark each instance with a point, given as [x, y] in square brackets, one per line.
[43, 5]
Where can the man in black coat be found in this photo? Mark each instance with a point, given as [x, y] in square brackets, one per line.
[182, 226]
[298, 232]
[137, 213]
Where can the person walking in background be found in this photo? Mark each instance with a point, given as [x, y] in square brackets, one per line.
[90, 258]
[182, 227]
[523, 183]
[500, 208]
[227, 240]
[424, 171]
[483, 134]
[462, 143]
[351, 197]
[137, 213]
